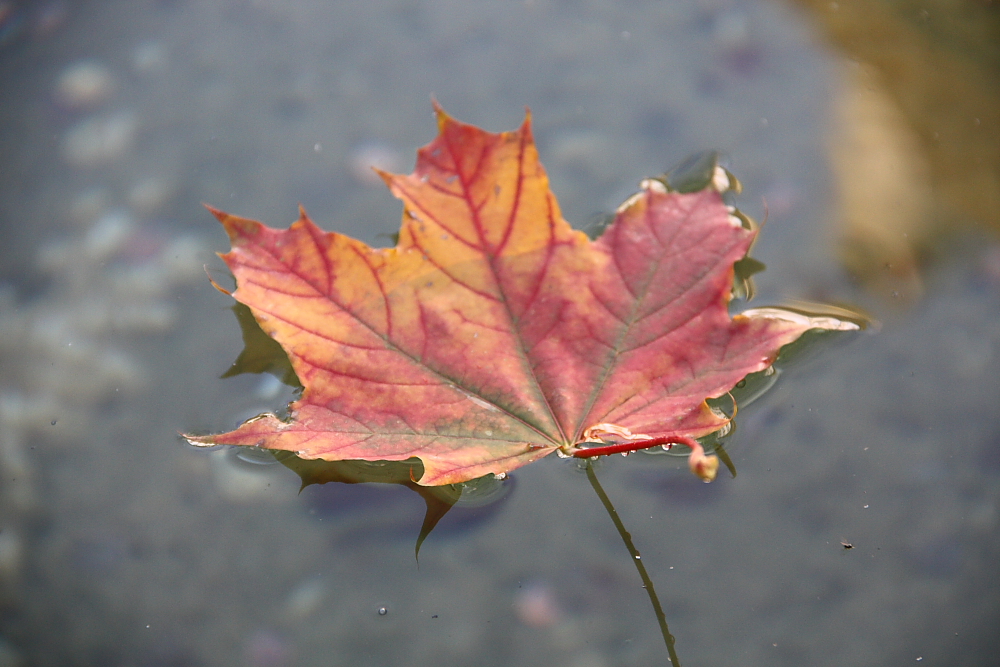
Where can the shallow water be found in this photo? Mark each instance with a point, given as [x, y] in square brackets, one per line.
[119, 545]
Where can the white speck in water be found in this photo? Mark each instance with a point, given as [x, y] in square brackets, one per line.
[382, 611]
[317, 147]
[866, 506]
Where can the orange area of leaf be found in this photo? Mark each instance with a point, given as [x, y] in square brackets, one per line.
[493, 333]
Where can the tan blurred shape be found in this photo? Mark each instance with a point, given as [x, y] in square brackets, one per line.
[916, 147]
[883, 186]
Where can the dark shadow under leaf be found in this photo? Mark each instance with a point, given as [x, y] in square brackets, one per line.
[439, 499]
[261, 353]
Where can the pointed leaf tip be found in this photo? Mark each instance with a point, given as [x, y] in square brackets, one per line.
[441, 115]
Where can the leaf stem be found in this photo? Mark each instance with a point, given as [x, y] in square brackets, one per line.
[647, 583]
[634, 445]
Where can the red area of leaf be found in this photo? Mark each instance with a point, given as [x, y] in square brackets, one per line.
[493, 333]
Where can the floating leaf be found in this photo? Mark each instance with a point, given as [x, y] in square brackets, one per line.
[494, 334]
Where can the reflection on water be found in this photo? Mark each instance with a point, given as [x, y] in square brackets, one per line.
[120, 118]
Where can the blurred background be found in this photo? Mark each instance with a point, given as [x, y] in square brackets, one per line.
[866, 132]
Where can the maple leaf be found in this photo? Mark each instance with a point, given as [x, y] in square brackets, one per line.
[493, 333]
